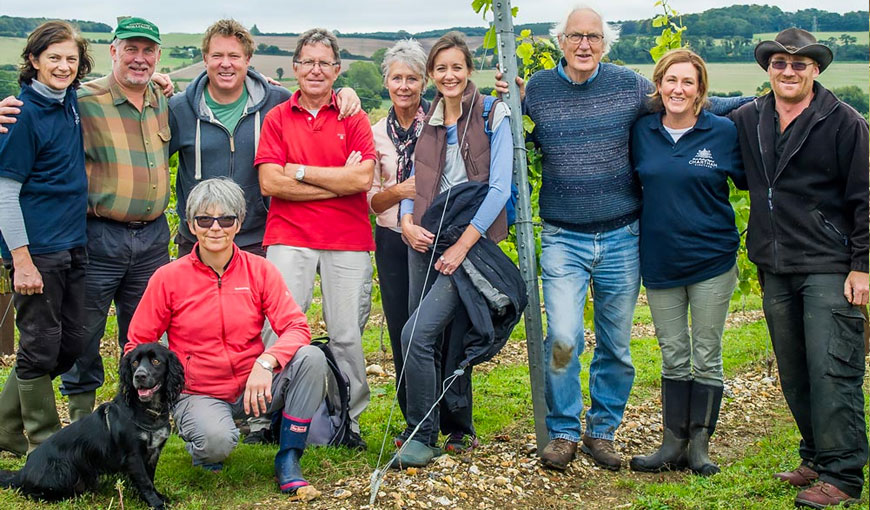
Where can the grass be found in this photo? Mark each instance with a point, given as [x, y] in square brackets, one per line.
[502, 402]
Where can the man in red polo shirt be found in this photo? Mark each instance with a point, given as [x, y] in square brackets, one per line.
[317, 169]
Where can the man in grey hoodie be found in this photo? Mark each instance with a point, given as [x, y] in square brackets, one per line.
[215, 125]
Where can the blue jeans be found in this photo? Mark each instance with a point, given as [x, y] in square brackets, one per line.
[569, 261]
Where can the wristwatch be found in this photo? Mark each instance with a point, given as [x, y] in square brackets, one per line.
[300, 173]
[265, 364]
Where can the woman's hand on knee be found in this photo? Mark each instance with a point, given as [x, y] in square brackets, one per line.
[258, 391]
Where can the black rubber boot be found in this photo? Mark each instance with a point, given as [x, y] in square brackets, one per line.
[675, 436]
[703, 415]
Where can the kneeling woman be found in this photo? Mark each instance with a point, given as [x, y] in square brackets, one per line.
[212, 304]
[453, 148]
[684, 157]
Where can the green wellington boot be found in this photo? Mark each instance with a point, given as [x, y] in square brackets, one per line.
[38, 410]
[81, 405]
[11, 427]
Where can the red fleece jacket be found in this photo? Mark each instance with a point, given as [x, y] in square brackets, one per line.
[214, 322]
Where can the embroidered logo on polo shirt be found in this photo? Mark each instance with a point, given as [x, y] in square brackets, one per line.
[341, 136]
[703, 158]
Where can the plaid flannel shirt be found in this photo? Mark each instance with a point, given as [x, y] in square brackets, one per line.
[126, 151]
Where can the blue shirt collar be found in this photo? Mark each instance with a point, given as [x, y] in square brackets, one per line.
[561, 70]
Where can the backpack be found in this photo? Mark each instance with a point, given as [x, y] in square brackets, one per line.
[510, 207]
[330, 424]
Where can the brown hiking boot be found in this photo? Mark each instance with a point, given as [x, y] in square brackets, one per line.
[803, 476]
[558, 453]
[602, 452]
[823, 495]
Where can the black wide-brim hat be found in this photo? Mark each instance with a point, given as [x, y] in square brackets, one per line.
[794, 41]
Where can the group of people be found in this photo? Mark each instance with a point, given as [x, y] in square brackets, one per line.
[275, 188]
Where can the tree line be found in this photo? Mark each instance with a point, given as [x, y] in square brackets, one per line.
[746, 20]
[13, 26]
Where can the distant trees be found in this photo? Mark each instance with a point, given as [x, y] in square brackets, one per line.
[279, 71]
[12, 26]
[366, 80]
[744, 20]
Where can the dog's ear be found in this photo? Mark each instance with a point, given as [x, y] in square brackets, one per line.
[125, 379]
[174, 377]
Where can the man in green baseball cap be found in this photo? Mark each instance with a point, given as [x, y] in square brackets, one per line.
[137, 27]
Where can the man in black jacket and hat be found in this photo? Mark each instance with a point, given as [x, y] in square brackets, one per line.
[806, 159]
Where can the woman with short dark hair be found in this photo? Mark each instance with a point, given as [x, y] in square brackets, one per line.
[43, 202]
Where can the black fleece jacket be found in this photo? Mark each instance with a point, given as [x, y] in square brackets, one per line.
[809, 210]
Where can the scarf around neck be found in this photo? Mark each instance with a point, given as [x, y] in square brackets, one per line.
[406, 139]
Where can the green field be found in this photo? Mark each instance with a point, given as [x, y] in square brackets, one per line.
[11, 47]
[863, 37]
[746, 77]
[171, 39]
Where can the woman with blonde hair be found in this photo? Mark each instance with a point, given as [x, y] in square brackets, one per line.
[684, 156]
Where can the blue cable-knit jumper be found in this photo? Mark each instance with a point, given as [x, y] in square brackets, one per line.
[583, 130]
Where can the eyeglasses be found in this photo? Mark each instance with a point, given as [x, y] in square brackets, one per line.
[575, 38]
[307, 65]
[780, 65]
[208, 221]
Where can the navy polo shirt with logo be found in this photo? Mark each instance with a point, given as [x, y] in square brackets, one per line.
[43, 151]
[687, 232]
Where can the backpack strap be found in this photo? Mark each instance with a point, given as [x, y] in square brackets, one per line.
[489, 103]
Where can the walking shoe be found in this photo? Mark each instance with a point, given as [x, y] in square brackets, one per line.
[354, 441]
[415, 454]
[459, 443]
[823, 495]
[803, 476]
[558, 453]
[262, 436]
[602, 452]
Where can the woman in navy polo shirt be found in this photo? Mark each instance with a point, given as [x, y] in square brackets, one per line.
[684, 157]
[43, 201]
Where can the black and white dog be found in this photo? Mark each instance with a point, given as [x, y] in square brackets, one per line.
[124, 436]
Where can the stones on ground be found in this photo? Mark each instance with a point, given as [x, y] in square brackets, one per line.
[342, 494]
[375, 370]
[306, 494]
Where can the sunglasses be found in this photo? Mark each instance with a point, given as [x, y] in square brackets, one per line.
[780, 65]
[208, 221]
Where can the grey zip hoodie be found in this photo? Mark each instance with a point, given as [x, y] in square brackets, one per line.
[206, 149]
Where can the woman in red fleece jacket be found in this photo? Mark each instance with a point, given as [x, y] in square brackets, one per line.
[212, 304]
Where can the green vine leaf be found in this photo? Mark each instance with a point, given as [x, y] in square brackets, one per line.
[489, 40]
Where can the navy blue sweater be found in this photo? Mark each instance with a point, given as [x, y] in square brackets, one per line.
[687, 232]
[44, 152]
[587, 183]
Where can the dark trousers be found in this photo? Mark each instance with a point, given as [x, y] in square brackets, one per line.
[425, 358]
[391, 256]
[51, 335]
[122, 259]
[185, 246]
[818, 340]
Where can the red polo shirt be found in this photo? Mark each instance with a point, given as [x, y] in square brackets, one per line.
[291, 134]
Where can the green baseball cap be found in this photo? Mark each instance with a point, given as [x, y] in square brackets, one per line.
[137, 27]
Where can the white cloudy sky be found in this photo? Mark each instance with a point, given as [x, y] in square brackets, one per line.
[358, 15]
